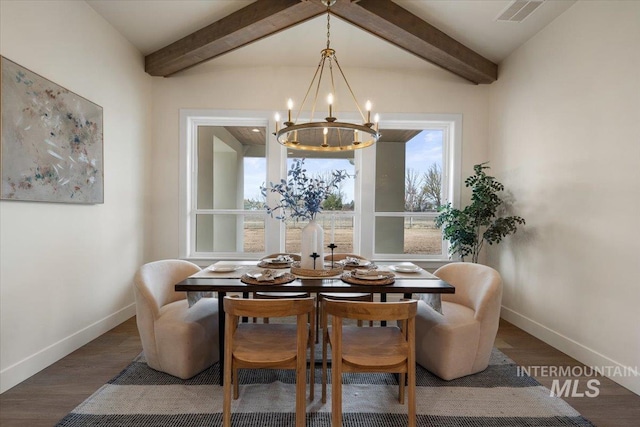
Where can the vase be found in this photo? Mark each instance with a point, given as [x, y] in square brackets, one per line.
[312, 241]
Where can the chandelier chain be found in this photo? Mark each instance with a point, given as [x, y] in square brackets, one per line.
[328, 28]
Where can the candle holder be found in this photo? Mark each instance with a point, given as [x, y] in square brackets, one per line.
[332, 246]
[315, 256]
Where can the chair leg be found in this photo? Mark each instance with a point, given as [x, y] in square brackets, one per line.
[402, 378]
[336, 391]
[301, 391]
[318, 309]
[411, 410]
[312, 356]
[226, 409]
[324, 365]
[235, 384]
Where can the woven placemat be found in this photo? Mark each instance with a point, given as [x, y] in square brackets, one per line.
[280, 280]
[267, 264]
[347, 277]
[326, 272]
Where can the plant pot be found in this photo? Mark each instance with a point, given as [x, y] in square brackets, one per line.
[312, 241]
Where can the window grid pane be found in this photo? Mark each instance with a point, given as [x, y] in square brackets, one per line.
[243, 232]
[342, 226]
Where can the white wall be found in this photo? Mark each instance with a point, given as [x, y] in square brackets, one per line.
[66, 270]
[426, 90]
[565, 139]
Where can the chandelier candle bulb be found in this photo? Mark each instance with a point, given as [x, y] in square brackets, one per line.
[376, 118]
[368, 108]
[277, 119]
[330, 101]
[324, 133]
[290, 107]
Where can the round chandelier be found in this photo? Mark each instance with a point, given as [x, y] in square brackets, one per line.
[329, 134]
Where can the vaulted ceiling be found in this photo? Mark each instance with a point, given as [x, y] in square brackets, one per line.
[399, 23]
[383, 18]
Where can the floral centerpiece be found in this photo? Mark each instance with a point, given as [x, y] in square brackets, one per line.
[301, 198]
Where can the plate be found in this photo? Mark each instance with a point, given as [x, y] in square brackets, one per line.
[351, 265]
[405, 268]
[275, 261]
[265, 275]
[224, 268]
[369, 277]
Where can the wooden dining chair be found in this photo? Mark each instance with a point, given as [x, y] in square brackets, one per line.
[378, 349]
[351, 296]
[267, 346]
[279, 295]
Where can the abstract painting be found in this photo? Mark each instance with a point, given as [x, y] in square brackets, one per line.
[51, 147]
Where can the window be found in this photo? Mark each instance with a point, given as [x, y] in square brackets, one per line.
[337, 218]
[386, 210]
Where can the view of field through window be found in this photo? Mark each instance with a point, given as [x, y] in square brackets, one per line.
[422, 194]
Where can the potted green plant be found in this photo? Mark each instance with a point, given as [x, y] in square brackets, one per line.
[468, 229]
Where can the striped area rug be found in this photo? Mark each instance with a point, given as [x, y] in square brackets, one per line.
[496, 397]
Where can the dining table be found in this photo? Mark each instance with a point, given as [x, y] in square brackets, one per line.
[224, 277]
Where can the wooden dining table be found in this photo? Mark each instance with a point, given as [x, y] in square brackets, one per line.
[208, 281]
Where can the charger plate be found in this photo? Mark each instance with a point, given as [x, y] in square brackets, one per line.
[348, 277]
[280, 280]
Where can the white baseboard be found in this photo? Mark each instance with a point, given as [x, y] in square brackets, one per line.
[20, 371]
[581, 353]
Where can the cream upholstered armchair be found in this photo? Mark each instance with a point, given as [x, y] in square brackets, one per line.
[176, 339]
[458, 342]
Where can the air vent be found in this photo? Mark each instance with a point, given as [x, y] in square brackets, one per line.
[518, 10]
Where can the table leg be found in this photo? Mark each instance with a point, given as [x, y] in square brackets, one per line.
[245, 295]
[221, 322]
[383, 298]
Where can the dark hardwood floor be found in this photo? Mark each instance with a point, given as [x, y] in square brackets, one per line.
[46, 397]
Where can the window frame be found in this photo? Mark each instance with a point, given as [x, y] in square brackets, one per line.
[276, 158]
[451, 124]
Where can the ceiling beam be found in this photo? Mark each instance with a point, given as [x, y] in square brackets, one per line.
[382, 18]
[247, 25]
[403, 29]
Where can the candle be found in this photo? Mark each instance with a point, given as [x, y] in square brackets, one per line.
[330, 101]
[333, 228]
[368, 107]
[377, 120]
[290, 107]
[277, 119]
[324, 132]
